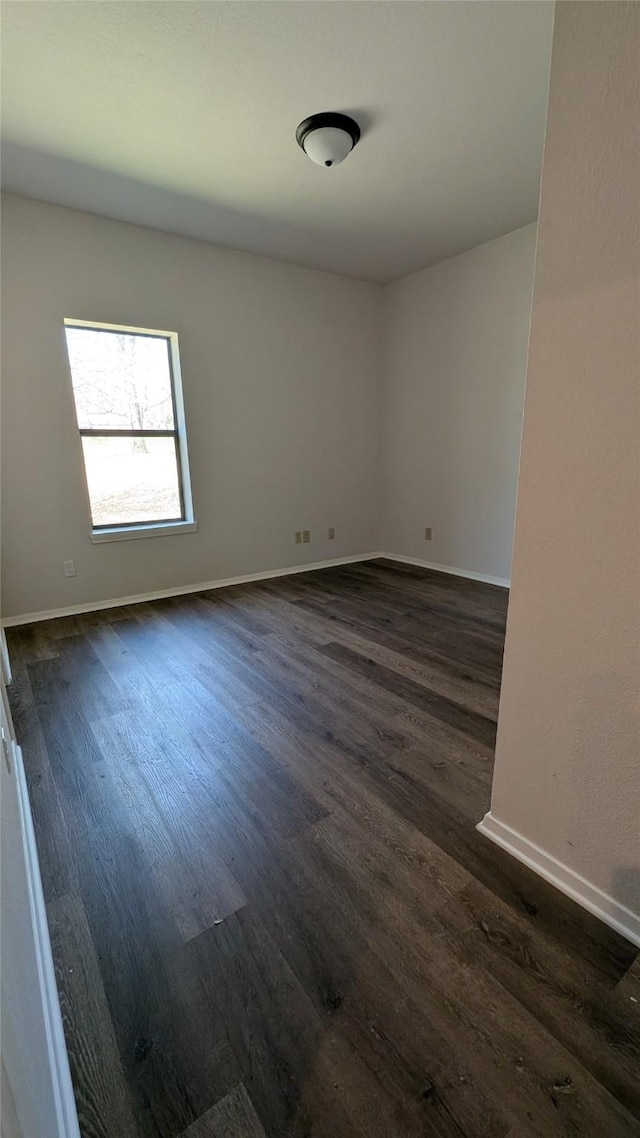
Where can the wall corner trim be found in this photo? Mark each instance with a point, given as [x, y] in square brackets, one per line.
[470, 574]
[65, 1124]
[589, 896]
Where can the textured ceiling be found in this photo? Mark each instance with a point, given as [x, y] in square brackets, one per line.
[181, 116]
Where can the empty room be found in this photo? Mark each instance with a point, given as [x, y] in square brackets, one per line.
[320, 569]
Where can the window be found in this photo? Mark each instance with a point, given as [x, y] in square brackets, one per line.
[126, 386]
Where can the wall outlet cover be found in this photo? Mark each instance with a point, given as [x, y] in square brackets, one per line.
[306, 536]
[427, 533]
[332, 533]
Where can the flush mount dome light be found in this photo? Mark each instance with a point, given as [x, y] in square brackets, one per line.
[327, 138]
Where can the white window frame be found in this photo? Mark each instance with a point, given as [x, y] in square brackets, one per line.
[125, 532]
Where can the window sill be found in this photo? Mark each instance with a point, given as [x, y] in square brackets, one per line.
[130, 533]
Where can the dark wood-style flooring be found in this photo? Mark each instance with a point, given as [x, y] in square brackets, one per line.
[270, 910]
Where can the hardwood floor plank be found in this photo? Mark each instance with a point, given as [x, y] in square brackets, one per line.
[155, 641]
[232, 1117]
[628, 987]
[304, 1077]
[198, 889]
[385, 620]
[58, 870]
[255, 811]
[83, 675]
[440, 707]
[430, 673]
[246, 981]
[532, 898]
[563, 995]
[509, 1046]
[310, 916]
[102, 1095]
[176, 1063]
[66, 732]
[160, 704]
[339, 787]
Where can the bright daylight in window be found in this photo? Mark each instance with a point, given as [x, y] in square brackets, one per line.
[128, 411]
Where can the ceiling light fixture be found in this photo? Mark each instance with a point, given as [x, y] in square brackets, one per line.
[327, 138]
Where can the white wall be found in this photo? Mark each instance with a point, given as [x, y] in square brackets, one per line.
[281, 372]
[455, 359]
[9, 1124]
[290, 425]
[567, 774]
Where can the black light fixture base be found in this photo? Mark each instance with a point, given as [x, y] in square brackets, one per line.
[328, 119]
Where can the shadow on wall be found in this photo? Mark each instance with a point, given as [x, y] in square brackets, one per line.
[75, 184]
[605, 725]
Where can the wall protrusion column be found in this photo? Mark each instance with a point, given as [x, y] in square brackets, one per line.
[566, 792]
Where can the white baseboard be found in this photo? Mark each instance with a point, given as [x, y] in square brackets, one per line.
[504, 582]
[617, 916]
[246, 578]
[181, 590]
[66, 1120]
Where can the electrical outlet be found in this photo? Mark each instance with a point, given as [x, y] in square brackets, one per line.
[69, 568]
[298, 537]
[427, 533]
[332, 533]
[306, 536]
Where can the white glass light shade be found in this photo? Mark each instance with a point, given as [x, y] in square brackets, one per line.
[328, 145]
